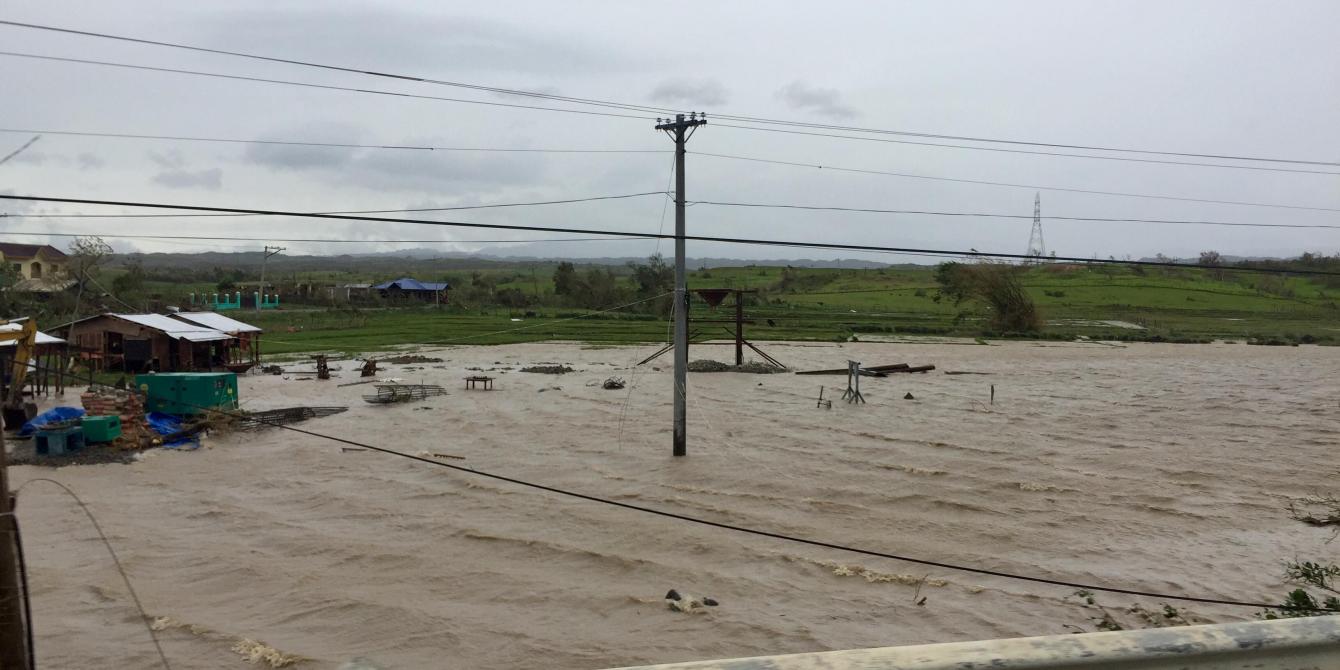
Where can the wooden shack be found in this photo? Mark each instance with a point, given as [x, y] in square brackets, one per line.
[142, 342]
[244, 350]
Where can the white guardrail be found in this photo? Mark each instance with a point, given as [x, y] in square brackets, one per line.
[1285, 644]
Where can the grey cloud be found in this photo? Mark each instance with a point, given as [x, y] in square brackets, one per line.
[85, 160]
[176, 175]
[423, 43]
[824, 101]
[298, 157]
[441, 171]
[169, 159]
[690, 92]
[406, 170]
[210, 179]
[88, 161]
[30, 157]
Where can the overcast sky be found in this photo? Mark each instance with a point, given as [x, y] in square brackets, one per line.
[1213, 77]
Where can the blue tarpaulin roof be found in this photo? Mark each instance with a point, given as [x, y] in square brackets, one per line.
[410, 284]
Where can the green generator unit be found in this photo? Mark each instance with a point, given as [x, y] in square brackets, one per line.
[101, 428]
[188, 392]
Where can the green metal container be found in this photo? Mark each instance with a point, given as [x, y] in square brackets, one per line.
[188, 392]
[101, 428]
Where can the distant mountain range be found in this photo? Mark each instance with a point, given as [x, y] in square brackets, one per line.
[421, 259]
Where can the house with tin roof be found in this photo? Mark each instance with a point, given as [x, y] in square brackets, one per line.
[406, 287]
[144, 342]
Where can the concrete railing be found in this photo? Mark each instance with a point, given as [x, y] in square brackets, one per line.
[1285, 644]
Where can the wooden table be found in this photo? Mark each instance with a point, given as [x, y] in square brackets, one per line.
[473, 381]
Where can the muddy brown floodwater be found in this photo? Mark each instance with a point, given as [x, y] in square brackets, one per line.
[1155, 467]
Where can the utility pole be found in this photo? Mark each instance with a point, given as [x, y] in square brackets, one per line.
[14, 623]
[14, 649]
[269, 251]
[680, 130]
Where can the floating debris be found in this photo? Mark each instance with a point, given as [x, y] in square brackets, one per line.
[548, 369]
[434, 454]
[613, 383]
[286, 415]
[411, 358]
[752, 367]
[687, 603]
[393, 393]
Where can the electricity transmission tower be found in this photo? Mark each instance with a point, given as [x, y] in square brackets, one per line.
[1036, 249]
[680, 129]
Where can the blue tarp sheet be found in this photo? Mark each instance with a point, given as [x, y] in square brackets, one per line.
[53, 415]
[167, 424]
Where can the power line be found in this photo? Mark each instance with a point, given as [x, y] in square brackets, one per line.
[336, 145]
[869, 210]
[20, 150]
[657, 110]
[287, 61]
[116, 560]
[359, 211]
[1028, 151]
[697, 238]
[1020, 142]
[208, 238]
[713, 155]
[1012, 185]
[250, 241]
[726, 156]
[218, 75]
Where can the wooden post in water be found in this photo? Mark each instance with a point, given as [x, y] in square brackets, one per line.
[739, 328]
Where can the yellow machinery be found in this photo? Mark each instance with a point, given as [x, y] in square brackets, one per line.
[25, 347]
[15, 617]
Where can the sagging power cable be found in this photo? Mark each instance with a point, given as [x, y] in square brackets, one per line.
[970, 253]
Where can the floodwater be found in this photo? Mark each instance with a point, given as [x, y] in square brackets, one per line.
[1148, 466]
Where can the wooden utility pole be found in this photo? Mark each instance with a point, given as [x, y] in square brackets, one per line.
[13, 626]
[739, 328]
[269, 251]
[680, 129]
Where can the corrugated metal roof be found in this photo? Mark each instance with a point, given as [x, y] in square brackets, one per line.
[42, 338]
[411, 284]
[218, 322]
[174, 328]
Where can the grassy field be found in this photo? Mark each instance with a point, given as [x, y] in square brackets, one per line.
[829, 304]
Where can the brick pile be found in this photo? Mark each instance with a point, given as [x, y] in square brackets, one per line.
[127, 405]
